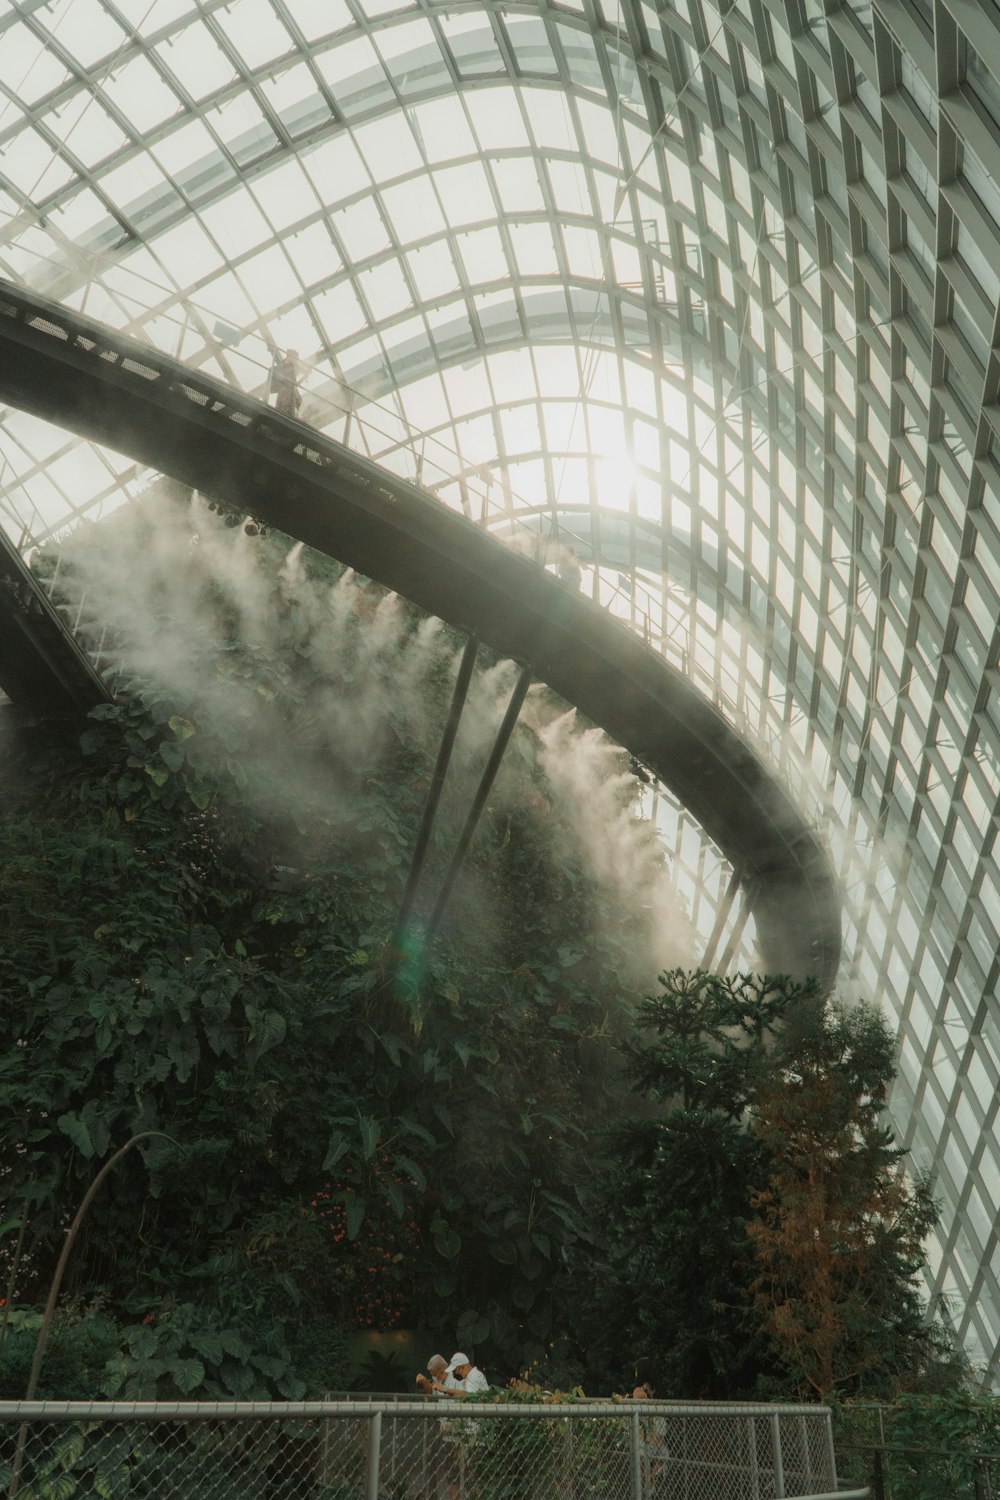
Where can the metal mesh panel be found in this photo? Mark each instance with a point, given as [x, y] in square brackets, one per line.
[729, 1457]
[571, 1459]
[882, 1447]
[410, 1451]
[214, 1460]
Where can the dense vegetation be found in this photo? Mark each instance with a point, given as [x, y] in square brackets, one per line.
[492, 1139]
[197, 903]
[764, 1235]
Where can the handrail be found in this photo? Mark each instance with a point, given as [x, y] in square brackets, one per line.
[864, 1494]
[700, 1443]
[411, 1405]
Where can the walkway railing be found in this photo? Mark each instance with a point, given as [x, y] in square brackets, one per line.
[921, 1448]
[417, 1449]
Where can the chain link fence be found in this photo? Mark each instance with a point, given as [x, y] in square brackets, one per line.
[414, 1449]
[875, 1446]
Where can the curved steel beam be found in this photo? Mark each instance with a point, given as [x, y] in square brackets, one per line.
[81, 375]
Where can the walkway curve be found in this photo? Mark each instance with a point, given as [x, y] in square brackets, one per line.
[42, 666]
[83, 376]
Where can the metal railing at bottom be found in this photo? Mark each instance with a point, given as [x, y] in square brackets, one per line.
[900, 1473]
[415, 1449]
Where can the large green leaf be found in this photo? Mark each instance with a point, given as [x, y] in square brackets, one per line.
[79, 1134]
[187, 1374]
[336, 1150]
[369, 1135]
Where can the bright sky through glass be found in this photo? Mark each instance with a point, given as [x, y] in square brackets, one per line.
[464, 228]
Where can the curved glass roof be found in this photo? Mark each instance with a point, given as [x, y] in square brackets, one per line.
[711, 288]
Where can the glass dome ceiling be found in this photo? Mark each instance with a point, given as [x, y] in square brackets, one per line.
[712, 287]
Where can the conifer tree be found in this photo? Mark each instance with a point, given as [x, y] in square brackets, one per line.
[840, 1226]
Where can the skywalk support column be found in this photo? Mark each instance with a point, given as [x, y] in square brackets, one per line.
[458, 698]
[504, 733]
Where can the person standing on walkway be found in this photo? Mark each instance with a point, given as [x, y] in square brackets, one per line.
[655, 1453]
[438, 1447]
[463, 1378]
[568, 569]
[285, 381]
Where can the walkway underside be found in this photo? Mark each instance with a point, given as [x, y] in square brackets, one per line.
[41, 665]
[84, 377]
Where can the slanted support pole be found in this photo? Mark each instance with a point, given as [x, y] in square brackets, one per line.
[721, 918]
[479, 801]
[751, 889]
[458, 697]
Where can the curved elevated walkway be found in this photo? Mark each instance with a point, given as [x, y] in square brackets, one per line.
[41, 664]
[82, 376]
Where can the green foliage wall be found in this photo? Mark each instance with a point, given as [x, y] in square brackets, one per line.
[196, 903]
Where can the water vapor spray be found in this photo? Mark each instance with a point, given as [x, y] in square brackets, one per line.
[172, 585]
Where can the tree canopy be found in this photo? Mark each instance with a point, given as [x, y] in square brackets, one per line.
[766, 1238]
[840, 1229]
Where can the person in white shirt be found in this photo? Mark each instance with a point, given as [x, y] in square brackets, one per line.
[437, 1379]
[461, 1378]
[468, 1377]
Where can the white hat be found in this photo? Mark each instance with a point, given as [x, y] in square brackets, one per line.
[457, 1360]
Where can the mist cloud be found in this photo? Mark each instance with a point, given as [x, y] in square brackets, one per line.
[171, 584]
